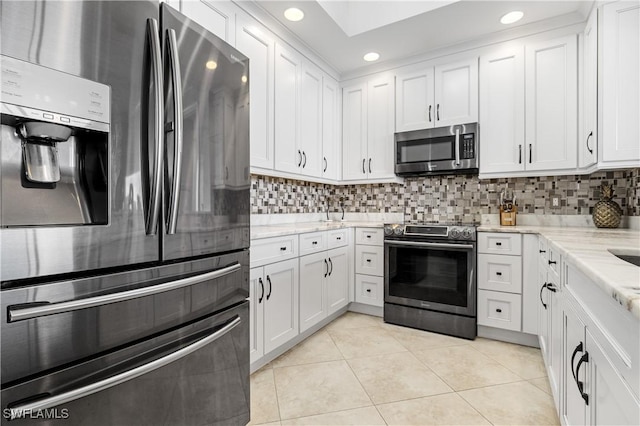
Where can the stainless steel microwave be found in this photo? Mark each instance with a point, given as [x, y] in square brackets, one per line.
[443, 150]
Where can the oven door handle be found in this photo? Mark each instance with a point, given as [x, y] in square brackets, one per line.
[53, 401]
[19, 313]
[429, 245]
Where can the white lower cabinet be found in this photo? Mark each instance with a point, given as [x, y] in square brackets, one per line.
[369, 266]
[369, 290]
[501, 310]
[273, 294]
[338, 280]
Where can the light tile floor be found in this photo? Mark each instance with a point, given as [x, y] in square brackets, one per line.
[360, 371]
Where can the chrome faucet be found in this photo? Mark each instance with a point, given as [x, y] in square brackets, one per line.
[342, 207]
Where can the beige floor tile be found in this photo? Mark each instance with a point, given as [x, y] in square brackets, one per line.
[463, 367]
[543, 384]
[513, 404]
[396, 377]
[366, 341]
[354, 320]
[317, 348]
[525, 361]
[264, 402]
[267, 424]
[359, 416]
[447, 409]
[307, 390]
[420, 340]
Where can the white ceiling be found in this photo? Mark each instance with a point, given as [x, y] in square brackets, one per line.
[447, 25]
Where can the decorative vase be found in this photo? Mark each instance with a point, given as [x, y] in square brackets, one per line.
[607, 213]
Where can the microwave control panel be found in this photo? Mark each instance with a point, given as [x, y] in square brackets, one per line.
[467, 148]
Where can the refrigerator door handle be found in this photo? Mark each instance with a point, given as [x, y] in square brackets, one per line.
[18, 411]
[40, 309]
[156, 60]
[176, 82]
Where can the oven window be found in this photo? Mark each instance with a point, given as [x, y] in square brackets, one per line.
[429, 275]
[433, 149]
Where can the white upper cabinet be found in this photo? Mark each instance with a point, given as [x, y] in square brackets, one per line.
[258, 44]
[502, 110]
[354, 131]
[288, 68]
[588, 138]
[435, 97]
[456, 93]
[551, 109]
[216, 16]
[620, 84]
[331, 158]
[414, 100]
[380, 144]
[310, 143]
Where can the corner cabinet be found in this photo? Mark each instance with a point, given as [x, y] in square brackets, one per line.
[437, 96]
[551, 107]
[219, 17]
[368, 123]
[620, 85]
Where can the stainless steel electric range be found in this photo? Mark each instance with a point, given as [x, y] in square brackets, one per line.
[430, 277]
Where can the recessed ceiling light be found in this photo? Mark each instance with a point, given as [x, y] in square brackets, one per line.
[371, 56]
[294, 14]
[512, 17]
[211, 65]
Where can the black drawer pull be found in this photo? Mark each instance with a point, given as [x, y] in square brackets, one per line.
[314, 243]
[368, 290]
[498, 310]
[552, 262]
[498, 244]
[369, 260]
[338, 238]
[283, 249]
[499, 274]
[368, 236]
[543, 251]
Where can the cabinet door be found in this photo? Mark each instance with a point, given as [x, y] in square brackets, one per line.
[502, 110]
[620, 82]
[314, 270]
[331, 159]
[280, 304]
[338, 279]
[311, 120]
[354, 131]
[380, 158]
[543, 312]
[414, 100]
[257, 43]
[456, 93]
[551, 104]
[288, 157]
[610, 399]
[588, 141]
[256, 313]
[573, 410]
[555, 335]
[217, 17]
[530, 283]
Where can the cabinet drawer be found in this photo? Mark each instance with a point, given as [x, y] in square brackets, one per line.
[500, 310]
[313, 242]
[369, 290]
[370, 236]
[269, 250]
[338, 238]
[370, 260]
[500, 273]
[499, 243]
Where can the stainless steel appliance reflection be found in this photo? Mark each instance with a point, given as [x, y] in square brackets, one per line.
[430, 277]
[124, 226]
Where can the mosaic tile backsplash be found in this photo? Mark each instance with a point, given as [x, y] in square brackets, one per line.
[447, 198]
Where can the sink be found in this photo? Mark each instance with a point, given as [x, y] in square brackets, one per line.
[628, 255]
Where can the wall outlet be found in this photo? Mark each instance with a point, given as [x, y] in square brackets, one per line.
[555, 202]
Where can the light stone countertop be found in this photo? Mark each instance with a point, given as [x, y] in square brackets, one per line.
[267, 231]
[586, 249]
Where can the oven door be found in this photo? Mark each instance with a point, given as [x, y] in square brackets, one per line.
[435, 276]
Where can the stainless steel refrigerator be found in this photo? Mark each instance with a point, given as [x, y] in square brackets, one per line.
[124, 217]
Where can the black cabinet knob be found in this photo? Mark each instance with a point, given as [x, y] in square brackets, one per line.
[498, 244]
[369, 260]
[283, 248]
[368, 290]
[499, 274]
[498, 310]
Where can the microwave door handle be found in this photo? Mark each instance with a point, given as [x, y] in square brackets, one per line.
[457, 146]
[153, 34]
[176, 82]
[18, 411]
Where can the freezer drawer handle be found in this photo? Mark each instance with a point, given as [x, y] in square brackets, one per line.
[72, 395]
[24, 313]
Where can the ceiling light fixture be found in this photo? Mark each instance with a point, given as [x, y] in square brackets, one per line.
[512, 17]
[294, 14]
[371, 56]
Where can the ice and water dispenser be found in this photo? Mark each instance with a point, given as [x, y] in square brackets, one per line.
[55, 147]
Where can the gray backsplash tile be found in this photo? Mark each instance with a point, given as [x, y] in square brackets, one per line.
[447, 198]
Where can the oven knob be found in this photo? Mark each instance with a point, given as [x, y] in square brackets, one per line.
[398, 230]
[388, 229]
[454, 233]
[466, 234]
